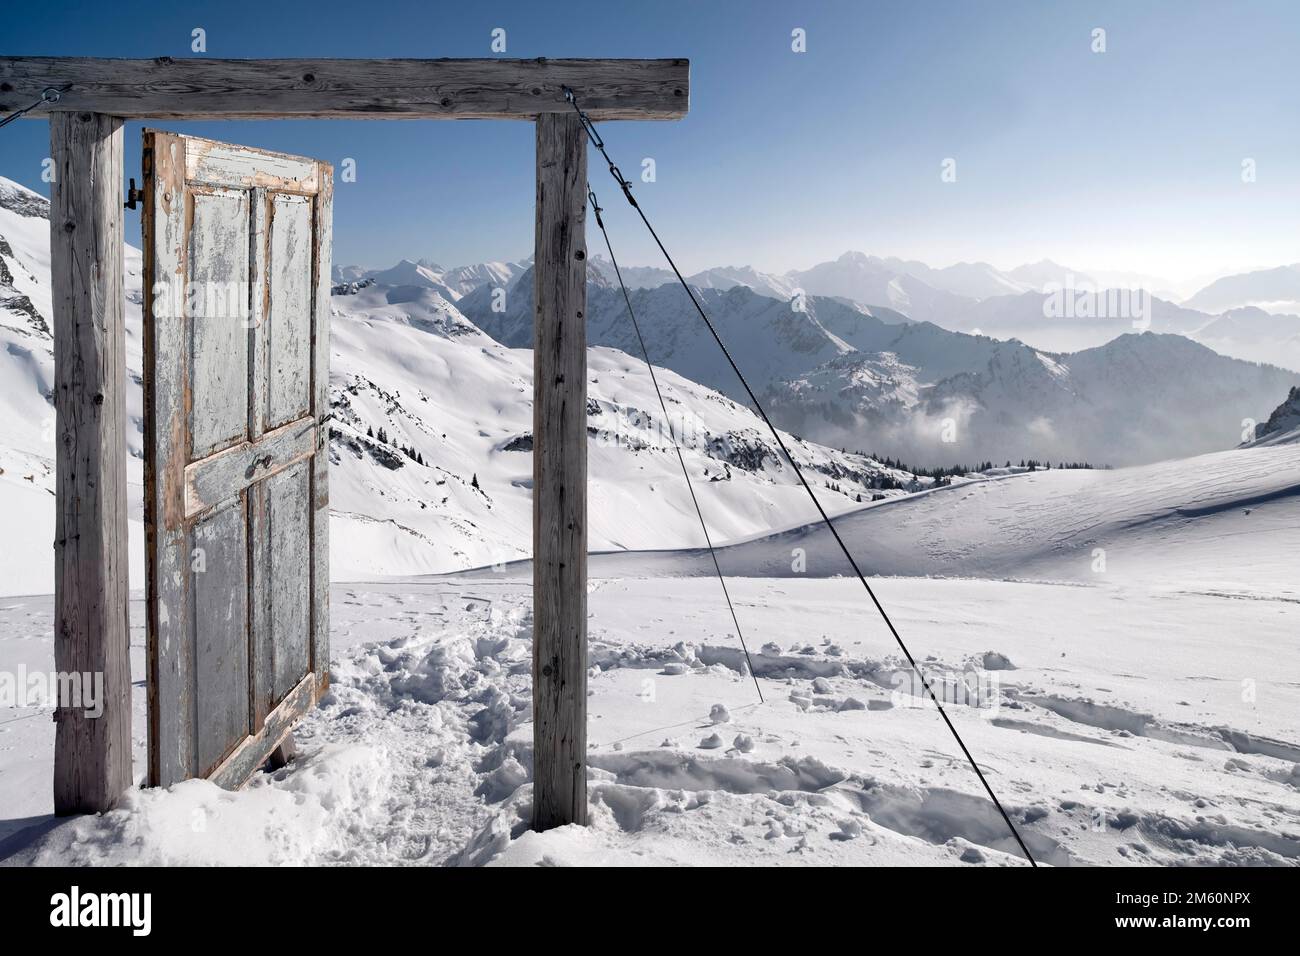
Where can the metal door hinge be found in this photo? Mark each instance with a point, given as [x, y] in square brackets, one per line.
[132, 196]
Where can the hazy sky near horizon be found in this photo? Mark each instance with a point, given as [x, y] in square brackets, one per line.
[1127, 160]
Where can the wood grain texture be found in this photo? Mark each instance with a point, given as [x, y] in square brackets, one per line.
[193, 89]
[92, 755]
[289, 319]
[289, 514]
[218, 268]
[560, 476]
[219, 588]
[320, 488]
[169, 648]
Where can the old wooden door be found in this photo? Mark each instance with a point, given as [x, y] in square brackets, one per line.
[236, 367]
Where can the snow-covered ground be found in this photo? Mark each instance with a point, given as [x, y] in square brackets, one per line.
[1147, 714]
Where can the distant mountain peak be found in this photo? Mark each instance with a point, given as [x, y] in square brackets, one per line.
[25, 202]
[1283, 426]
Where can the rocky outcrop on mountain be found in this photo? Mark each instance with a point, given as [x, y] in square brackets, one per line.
[1283, 426]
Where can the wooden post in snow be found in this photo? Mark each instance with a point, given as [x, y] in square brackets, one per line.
[92, 754]
[560, 476]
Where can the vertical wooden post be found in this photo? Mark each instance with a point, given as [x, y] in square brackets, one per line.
[92, 754]
[560, 476]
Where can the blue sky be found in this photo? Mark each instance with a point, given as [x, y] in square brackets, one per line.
[1125, 160]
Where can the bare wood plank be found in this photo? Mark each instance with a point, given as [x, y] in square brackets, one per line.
[288, 510]
[210, 161]
[289, 319]
[92, 755]
[560, 476]
[320, 490]
[242, 762]
[167, 541]
[262, 650]
[217, 311]
[222, 476]
[221, 646]
[194, 89]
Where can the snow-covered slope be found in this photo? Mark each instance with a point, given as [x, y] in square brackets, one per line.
[769, 339]
[441, 389]
[450, 283]
[448, 488]
[1222, 523]
[27, 427]
[1133, 704]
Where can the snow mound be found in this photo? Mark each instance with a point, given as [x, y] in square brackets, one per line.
[298, 817]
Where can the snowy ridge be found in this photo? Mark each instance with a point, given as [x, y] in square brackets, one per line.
[469, 504]
[842, 375]
[1275, 290]
[1283, 426]
[1218, 522]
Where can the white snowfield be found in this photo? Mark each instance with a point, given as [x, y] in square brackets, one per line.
[1147, 713]
[1226, 522]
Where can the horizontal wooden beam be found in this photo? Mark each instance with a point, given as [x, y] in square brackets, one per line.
[200, 89]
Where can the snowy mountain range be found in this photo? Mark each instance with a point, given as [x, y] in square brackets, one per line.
[1274, 290]
[432, 397]
[423, 274]
[863, 377]
[1044, 304]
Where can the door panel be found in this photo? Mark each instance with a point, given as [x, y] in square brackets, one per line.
[219, 584]
[288, 509]
[237, 245]
[290, 315]
[217, 266]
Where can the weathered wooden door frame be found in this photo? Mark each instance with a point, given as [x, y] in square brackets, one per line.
[93, 757]
[186, 485]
